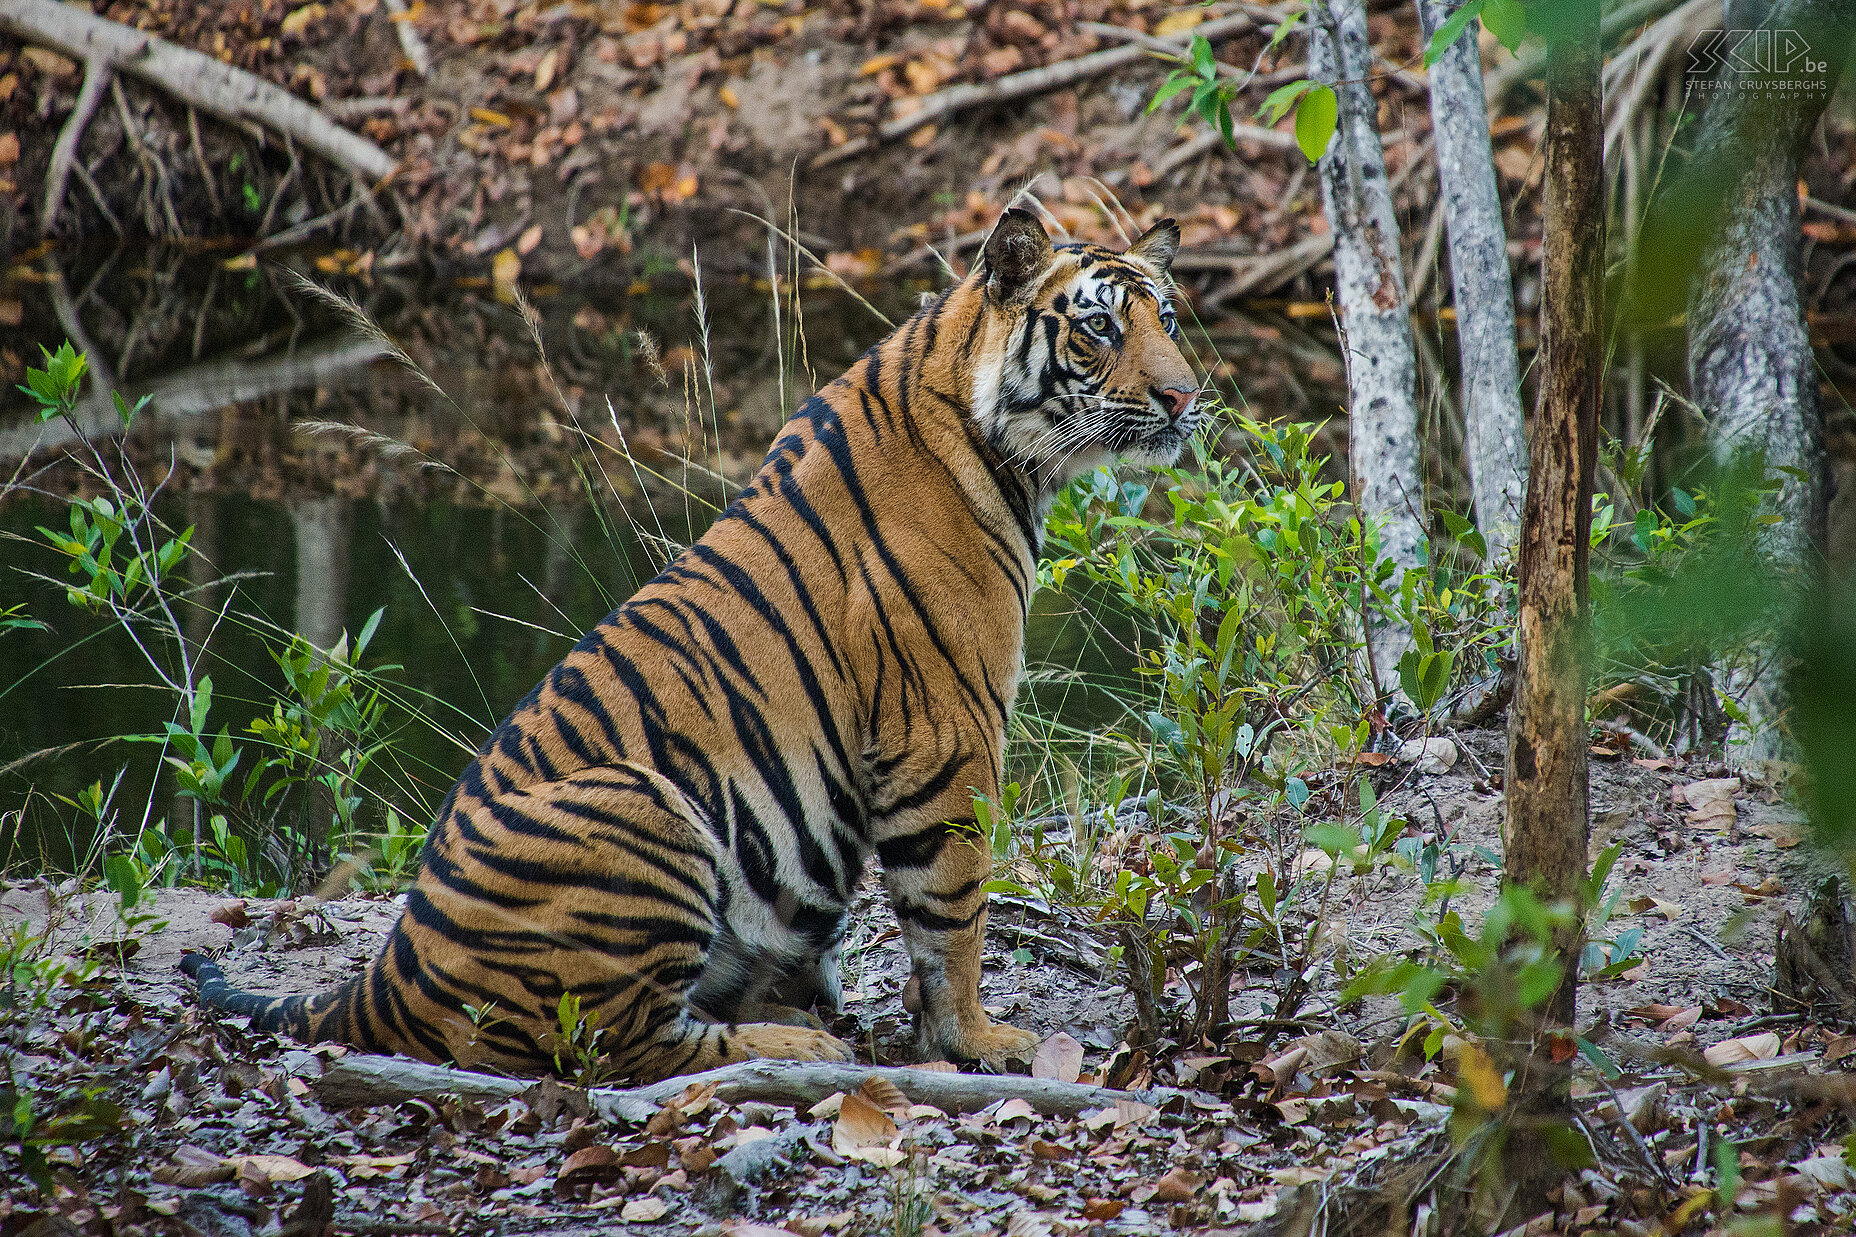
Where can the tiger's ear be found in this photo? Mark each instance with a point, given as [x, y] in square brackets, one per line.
[1015, 254]
[1157, 246]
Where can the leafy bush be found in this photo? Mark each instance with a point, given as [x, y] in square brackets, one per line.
[272, 803]
[1247, 595]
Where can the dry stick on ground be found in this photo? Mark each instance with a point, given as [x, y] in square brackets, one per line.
[359, 1080]
[1374, 313]
[1749, 353]
[410, 41]
[193, 78]
[1206, 142]
[1483, 286]
[1545, 834]
[1016, 86]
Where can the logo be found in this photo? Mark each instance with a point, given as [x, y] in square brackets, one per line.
[1756, 53]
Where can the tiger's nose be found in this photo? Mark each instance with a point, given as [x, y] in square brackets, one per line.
[1178, 400]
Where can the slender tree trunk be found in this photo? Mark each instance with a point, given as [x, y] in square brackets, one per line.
[1375, 315]
[1750, 362]
[1491, 378]
[1545, 835]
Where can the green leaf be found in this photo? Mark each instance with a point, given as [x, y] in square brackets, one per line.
[1284, 28]
[1537, 981]
[1176, 82]
[1315, 118]
[119, 872]
[1451, 30]
[1275, 106]
[1331, 839]
[1202, 60]
[1506, 21]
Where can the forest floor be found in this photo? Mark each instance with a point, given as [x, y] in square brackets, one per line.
[227, 1136]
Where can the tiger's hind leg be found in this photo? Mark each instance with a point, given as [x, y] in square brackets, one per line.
[602, 885]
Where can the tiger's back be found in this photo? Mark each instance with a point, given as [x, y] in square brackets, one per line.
[671, 825]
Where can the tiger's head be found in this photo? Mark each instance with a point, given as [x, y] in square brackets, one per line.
[1081, 361]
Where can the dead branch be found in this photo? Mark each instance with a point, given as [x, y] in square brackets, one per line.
[1208, 141]
[227, 92]
[97, 74]
[358, 1081]
[1271, 270]
[410, 41]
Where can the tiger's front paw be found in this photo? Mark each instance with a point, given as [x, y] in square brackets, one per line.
[999, 1046]
[784, 1043]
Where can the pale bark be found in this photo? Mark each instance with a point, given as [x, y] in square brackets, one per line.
[359, 1080]
[1750, 363]
[192, 77]
[1496, 445]
[1375, 317]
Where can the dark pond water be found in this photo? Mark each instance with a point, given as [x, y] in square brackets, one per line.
[463, 519]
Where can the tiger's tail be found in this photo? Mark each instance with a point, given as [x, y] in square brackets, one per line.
[310, 1019]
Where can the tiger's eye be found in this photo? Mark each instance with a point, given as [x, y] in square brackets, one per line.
[1101, 324]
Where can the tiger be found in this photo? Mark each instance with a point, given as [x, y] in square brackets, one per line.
[669, 828]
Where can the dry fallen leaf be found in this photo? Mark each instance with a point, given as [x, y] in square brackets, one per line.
[1762, 1047]
[1178, 1186]
[1476, 1072]
[296, 22]
[546, 69]
[646, 1210]
[274, 1168]
[885, 1094]
[1014, 1109]
[232, 915]
[860, 1124]
[1713, 802]
[1059, 1057]
[504, 271]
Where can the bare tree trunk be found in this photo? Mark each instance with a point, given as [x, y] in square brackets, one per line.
[1545, 835]
[1491, 378]
[1750, 362]
[1375, 315]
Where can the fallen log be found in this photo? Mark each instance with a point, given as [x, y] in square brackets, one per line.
[359, 1081]
[192, 77]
